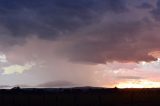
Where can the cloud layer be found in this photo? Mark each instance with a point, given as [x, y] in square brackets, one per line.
[100, 31]
[55, 19]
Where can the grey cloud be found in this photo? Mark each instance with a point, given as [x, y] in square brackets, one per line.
[100, 31]
[51, 18]
[145, 5]
[115, 41]
[156, 11]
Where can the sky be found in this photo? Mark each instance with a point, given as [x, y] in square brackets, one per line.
[59, 43]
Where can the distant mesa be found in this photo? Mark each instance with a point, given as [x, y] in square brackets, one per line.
[16, 88]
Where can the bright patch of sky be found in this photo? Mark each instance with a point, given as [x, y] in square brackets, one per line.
[17, 68]
[3, 58]
[9, 68]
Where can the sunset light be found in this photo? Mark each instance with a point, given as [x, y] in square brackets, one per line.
[139, 84]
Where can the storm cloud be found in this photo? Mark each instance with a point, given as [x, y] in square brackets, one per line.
[93, 31]
[51, 18]
[155, 12]
[145, 5]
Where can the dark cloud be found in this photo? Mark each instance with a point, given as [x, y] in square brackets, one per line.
[115, 41]
[52, 18]
[57, 84]
[156, 11]
[145, 5]
[100, 30]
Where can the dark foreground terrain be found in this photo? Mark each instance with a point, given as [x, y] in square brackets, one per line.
[80, 97]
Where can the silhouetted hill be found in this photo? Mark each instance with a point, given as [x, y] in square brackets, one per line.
[79, 96]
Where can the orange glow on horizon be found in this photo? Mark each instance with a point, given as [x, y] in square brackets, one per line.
[138, 84]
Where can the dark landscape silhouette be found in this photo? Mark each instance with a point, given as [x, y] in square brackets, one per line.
[79, 96]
